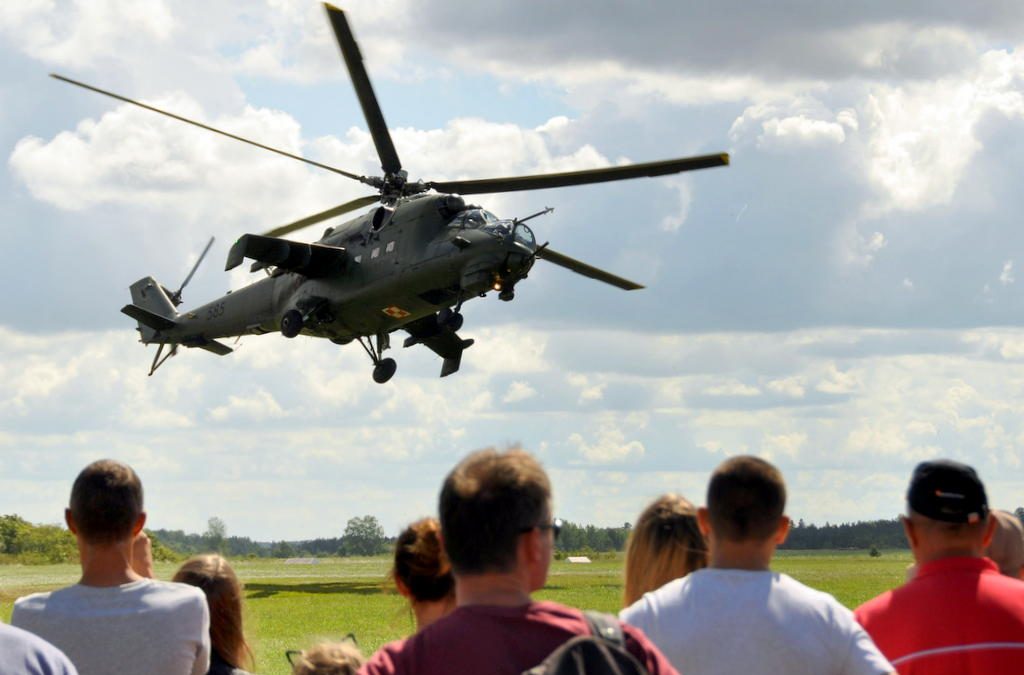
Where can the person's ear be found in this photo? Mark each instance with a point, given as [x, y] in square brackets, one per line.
[783, 530]
[703, 521]
[70, 520]
[403, 590]
[909, 531]
[990, 531]
[139, 524]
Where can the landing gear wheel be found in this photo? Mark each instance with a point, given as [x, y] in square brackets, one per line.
[291, 323]
[507, 295]
[384, 370]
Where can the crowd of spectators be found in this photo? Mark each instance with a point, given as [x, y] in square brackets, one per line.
[700, 596]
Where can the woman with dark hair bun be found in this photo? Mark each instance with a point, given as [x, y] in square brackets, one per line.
[422, 572]
[213, 575]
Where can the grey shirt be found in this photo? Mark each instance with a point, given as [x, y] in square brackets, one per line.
[22, 653]
[726, 621]
[147, 626]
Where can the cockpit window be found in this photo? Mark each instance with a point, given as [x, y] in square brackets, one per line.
[473, 219]
[525, 235]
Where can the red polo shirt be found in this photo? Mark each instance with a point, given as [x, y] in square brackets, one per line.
[957, 616]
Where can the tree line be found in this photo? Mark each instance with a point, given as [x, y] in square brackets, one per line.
[27, 543]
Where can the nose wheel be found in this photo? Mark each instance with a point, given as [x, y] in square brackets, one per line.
[383, 369]
[291, 323]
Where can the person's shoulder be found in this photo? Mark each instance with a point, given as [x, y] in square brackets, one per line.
[33, 602]
[386, 659]
[172, 589]
[803, 593]
[172, 596]
[15, 643]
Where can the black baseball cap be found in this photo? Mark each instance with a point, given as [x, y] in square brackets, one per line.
[948, 491]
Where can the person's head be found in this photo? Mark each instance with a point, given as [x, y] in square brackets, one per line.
[213, 575]
[947, 511]
[329, 658]
[421, 571]
[745, 502]
[106, 504]
[495, 515]
[1007, 547]
[665, 544]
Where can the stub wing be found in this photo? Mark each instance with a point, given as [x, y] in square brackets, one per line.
[311, 260]
[442, 341]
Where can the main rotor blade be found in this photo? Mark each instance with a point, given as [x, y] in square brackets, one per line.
[323, 215]
[361, 81]
[586, 270]
[361, 179]
[176, 296]
[553, 180]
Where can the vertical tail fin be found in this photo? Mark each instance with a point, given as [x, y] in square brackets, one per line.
[151, 296]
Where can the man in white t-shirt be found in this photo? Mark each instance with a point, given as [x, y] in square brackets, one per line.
[737, 616]
[22, 653]
[114, 620]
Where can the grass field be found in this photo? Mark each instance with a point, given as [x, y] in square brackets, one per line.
[293, 606]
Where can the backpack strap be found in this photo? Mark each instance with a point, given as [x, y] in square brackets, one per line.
[606, 627]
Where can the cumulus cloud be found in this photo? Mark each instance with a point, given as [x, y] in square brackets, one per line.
[518, 391]
[608, 444]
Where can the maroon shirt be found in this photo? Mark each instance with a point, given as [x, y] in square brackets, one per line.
[498, 641]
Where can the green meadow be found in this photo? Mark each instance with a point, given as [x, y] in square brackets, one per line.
[293, 606]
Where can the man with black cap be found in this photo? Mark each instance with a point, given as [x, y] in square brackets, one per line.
[958, 614]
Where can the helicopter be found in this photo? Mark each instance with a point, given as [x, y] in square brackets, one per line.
[409, 264]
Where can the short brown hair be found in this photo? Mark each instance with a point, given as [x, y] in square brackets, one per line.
[487, 501]
[106, 501]
[665, 544]
[421, 563]
[746, 499]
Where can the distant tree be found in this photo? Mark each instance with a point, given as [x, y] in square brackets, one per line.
[282, 549]
[1019, 512]
[363, 536]
[216, 531]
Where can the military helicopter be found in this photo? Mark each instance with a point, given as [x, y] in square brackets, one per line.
[410, 263]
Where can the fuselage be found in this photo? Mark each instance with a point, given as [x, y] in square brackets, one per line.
[433, 252]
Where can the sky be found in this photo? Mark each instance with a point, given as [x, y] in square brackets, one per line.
[843, 299]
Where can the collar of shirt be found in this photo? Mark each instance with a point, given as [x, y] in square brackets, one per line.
[957, 564]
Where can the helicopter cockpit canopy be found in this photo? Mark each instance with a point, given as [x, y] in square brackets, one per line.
[473, 219]
[482, 219]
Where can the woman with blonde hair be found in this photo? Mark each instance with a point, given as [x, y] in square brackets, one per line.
[665, 544]
[213, 575]
[422, 572]
[329, 658]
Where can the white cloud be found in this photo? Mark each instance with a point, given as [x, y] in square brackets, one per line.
[79, 33]
[608, 444]
[783, 445]
[518, 391]
[799, 131]
[732, 388]
[1006, 276]
[790, 386]
[922, 136]
[259, 406]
